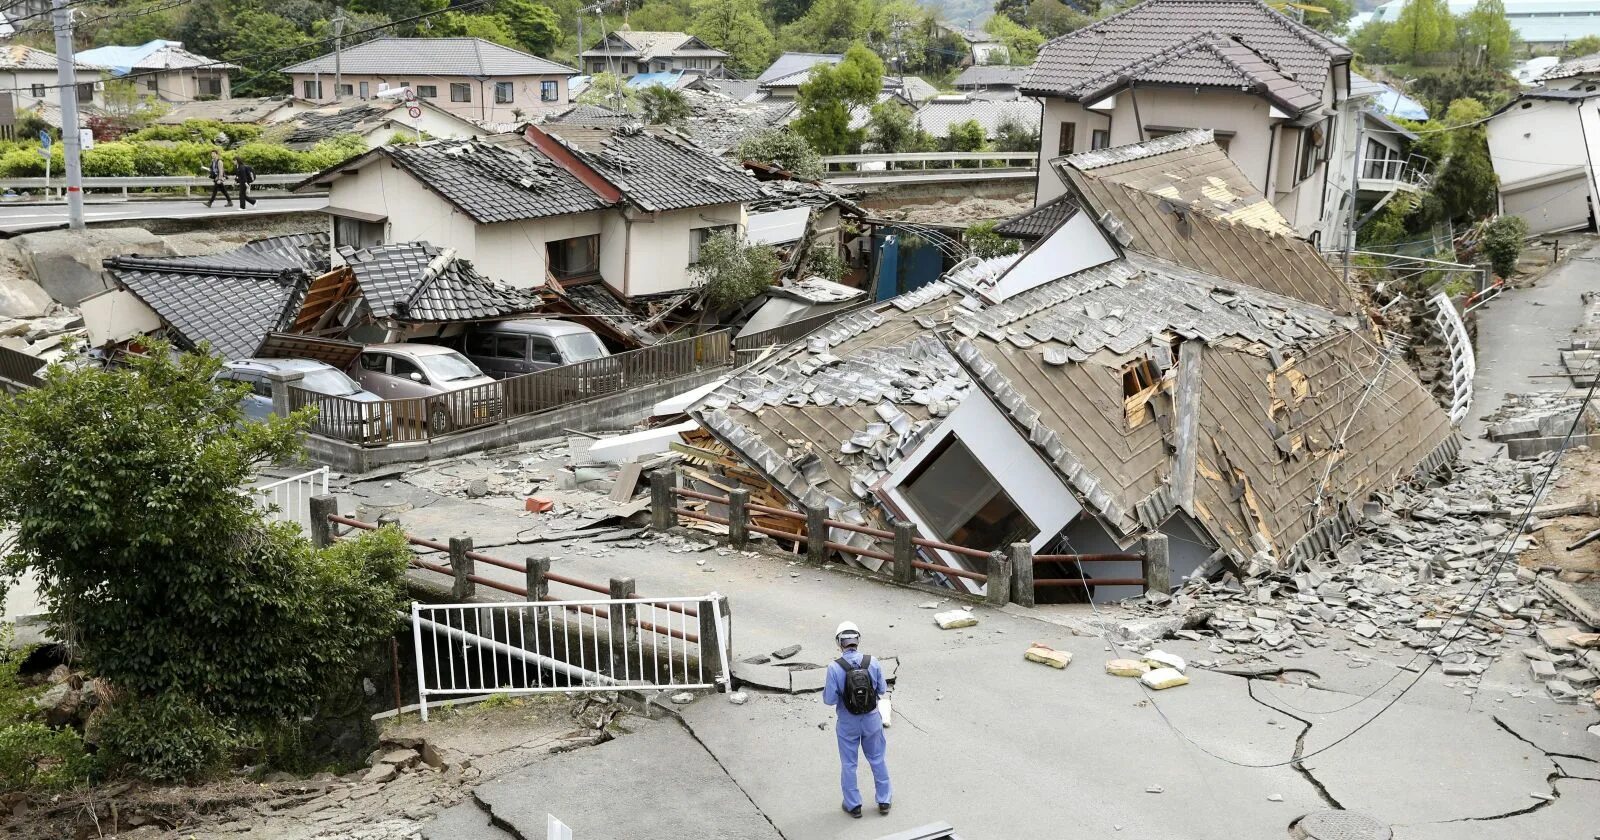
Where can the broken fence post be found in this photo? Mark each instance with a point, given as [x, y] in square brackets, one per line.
[739, 519]
[817, 534]
[661, 501]
[323, 507]
[1157, 565]
[463, 566]
[997, 589]
[624, 628]
[280, 381]
[712, 654]
[1022, 574]
[537, 585]
[905, 551]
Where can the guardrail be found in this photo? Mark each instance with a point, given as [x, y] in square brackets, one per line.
[1007, 576]
[123, 184]
[900, 163]
[288, 499]
[416, 419]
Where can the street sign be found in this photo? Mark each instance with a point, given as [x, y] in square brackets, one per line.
[85, 139]
[44, 138]
[414, 112]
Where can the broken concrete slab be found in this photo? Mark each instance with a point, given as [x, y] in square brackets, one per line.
[1127, 668]
[1162, 659]
[67, 264]
[1047, 656]
[636, 445]
[954, 619]
[1163, 678]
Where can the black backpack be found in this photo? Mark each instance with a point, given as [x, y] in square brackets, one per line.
[860, 695]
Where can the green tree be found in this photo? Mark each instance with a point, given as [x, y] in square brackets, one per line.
[984, 243]
[1054, 18]
[493, 28]
[123, 487]
[1587, 45]
[1013, 135]
[829, 95]
[1423, 29]
[536, 27]
[788, 11]
[612, 91]
[735, 271]
[735, 27]
[660, 16]
[661, 105]
[1334, 21]
[784, 148]
[1486, 35]
[967, 136]
[1502, 242]
[830, 26]
[1369, 42]
[893, 129]
[1465, 188]
[1022, 43]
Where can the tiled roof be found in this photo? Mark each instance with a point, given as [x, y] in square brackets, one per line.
[19, 57]
[990, 75]
[586, 114]
[647, 45]
[1040, 220]
[247, 110]
[311, 127]
[1163, 42]
[230, 300]
[717, 122]
[1581, 66]
[914, 88]
[658, 169]
[392, 57]
[938, 116]
[419, 282]
[494, 184]
[598, 300]
[742, 90]
[791, 63]
[154, 55]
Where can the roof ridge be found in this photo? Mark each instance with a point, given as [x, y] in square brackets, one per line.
[1146, 62]
[1298, 29]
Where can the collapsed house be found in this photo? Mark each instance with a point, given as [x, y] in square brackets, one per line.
[1166, 359]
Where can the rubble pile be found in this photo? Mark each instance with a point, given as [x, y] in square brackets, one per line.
[1422, 578]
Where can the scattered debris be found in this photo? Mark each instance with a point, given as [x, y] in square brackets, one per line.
[683, 698]
[1047, 656]
[954, 619]
[1161, 678]
[1127, 668]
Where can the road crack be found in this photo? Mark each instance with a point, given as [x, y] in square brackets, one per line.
[1299, 748]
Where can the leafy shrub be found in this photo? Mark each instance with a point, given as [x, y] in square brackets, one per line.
[787, 149]
[825, 262]
[272, 159]
[734, 271]
[1502, 243]
[33, 755]
[166, 738]
[200, 131]
[108, 160]
[984, 243]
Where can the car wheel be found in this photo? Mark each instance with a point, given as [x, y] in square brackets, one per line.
[439, 420]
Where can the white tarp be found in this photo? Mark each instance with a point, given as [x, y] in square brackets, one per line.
[777, 227]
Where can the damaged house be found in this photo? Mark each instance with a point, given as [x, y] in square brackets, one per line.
[1164, 360]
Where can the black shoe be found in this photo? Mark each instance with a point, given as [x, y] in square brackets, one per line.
[208, 204]
[883, 807]
[854, 812]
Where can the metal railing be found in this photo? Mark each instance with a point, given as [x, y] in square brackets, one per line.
[289, 499]
[416, 419]
[20, 370]
[187, 183]
[1401, 170]
[1007, 576]
[1463, 361]
[565, 646]
[889, 164]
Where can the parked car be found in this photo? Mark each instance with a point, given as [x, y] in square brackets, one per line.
[526, 345]
[334, 420]
[454, 392]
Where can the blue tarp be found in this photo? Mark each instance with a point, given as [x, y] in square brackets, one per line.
[122, 60]
[669, 80]
[1396, 104]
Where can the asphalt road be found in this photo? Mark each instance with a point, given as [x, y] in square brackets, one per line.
[21, 218]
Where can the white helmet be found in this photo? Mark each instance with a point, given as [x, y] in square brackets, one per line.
[848, 633]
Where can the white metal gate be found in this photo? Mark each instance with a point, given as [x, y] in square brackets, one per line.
[289, 499]
[1463, 363]
[591, 645]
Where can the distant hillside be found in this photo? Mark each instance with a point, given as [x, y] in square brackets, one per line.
[962, 12]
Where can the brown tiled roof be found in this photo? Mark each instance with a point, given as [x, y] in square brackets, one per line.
[1243, 42]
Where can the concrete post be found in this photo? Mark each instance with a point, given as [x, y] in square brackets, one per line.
[462, 565]
[389, 519]
[738, 519]
[281, 381]
[1022, 575]
[662, 501]
[905, 551]
[817, 535]
[538, 587]
[1157, 565]
[321, 529]
[998, 591]
[713, 655]
[624, 629]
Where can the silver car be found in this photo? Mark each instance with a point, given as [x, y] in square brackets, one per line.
[525, 345]
[428, 384]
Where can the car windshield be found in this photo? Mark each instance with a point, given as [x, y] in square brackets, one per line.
[449, 367]
[329, 381]
[580, 347]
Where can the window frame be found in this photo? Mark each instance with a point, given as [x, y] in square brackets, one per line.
[1067, 139]
[38, 91]
[509, 91]
[699, 236]
[427, 91]
[592, 246]
[1099, 138]
[907, 490]
[549, 91]
[307, 86]
[463, 88]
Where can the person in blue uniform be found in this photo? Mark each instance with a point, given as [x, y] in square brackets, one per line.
[860, 726]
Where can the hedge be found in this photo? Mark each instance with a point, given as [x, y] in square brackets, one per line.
[156, 158]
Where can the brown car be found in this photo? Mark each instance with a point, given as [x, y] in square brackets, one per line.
[426, 383]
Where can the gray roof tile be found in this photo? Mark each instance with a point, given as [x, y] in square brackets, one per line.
[438, 56]
[495, 184]
[1040, 220]
[658, 169]
[990, 75]
[420, 282]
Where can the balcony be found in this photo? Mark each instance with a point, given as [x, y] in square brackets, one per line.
[1384, 175]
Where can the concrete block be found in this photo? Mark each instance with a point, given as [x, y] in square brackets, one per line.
[954, 619]
[1162, 659]
[1163, 678]
[1542, 670]
[1557, 638]
[67, 264]
[1127, 668]
[1048, 656]
[632, 447]
[21, 297]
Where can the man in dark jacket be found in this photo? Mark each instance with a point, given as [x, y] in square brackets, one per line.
[244, 175]
[219, 180]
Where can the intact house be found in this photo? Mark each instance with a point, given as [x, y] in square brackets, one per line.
[626, 52]
[982, 47]
[30, 75]
[1266, 85]
[468, 77]
[624, 207]
[165, 71]
[991, 81]
[1167, 359]
[1545, 145]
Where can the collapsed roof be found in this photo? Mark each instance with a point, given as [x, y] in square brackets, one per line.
[229, 300]
[419, 282]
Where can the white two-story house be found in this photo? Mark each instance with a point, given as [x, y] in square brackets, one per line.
[1269, 88]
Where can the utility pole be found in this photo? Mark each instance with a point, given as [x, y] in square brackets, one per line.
[1355, 185]
[338, 49]
[67, 88]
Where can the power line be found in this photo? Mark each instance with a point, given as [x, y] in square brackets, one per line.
[128, 15]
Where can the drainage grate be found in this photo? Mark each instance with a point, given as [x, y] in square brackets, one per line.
[1339, 825]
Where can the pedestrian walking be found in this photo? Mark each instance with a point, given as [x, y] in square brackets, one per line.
[244, 175]
[219, 180]
[854, 686]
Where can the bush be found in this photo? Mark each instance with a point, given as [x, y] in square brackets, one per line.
[984, 243]
[167, 738]
[825, 262]
[200, 131]
[735, 272]
[33, 755]
[107, 160]
[1502, 243]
